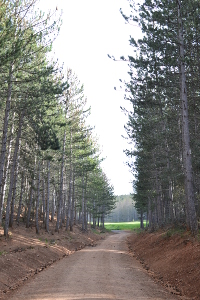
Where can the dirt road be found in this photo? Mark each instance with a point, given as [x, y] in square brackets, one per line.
[106, 271]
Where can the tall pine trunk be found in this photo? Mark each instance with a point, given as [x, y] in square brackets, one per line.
[61, 185]
[85, 205]
[72, 206]
[83, 201]
[94, 218]
[37, 201]
[5, 126]
[14, 191]
[189, 190]
[48, 193]
[12, 173]
[6, 169]
[30, 198]
[69, 199]
[20, 198]
[43, 196]
[53, 205]
[70, 185]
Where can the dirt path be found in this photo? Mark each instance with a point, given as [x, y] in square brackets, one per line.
[106, 271]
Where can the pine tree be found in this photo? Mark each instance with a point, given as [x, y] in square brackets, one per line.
[158, 117]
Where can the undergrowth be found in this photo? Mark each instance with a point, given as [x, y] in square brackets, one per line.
[95, 231]
[172, 231]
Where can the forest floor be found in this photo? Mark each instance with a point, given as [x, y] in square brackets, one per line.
[172, 258]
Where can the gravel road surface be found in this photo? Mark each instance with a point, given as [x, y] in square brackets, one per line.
[106, 271]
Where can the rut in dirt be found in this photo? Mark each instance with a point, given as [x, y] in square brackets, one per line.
[106, 271]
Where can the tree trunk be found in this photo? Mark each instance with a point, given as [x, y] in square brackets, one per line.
[149, 212]
[12, 173]
[70, 185]
[61, 185]
[48, 192]
[83, 200]
[6, 169]
[94, 219]
[14, 191]
[189, 191]
[72, 206]
[37, 201]
[20, 198]
[30, 198]
[53, 205]
[64, 207]
[75, 212]
[141, 220]
[85, 204]
[61, 210]
[103, 220]
[69, 201]
[5, 126]
[43, 196]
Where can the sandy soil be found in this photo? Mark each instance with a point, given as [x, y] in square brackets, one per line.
[106, 271]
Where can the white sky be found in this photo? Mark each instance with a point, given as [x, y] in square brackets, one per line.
[92, 29]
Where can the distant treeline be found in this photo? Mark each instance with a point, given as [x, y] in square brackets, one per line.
[124, 211]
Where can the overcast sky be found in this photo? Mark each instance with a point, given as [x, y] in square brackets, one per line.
[92, 29]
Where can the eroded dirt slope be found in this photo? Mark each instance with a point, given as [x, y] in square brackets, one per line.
[172, 260]
[106, 271]
[25, 254]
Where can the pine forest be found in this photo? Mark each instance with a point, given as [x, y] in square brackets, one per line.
[67, 229]
[49, 158]
[164, 122]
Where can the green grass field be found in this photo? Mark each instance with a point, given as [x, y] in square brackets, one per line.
[123, 226]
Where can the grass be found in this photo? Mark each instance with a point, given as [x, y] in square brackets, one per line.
[95, 231]
[123, 225]
[170, 232]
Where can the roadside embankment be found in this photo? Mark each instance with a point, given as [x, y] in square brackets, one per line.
[25, 253]
[172, 258]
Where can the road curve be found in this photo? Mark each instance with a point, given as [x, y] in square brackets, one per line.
[106, 271]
